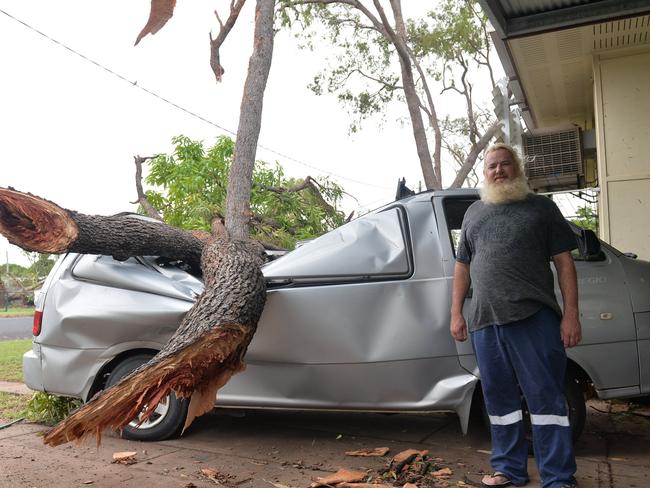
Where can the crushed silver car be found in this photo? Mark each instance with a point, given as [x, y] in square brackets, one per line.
[357, 319]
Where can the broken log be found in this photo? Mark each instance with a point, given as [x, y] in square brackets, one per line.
[210, 343]
[35, 224]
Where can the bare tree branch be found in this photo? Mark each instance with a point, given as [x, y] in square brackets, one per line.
[341, 82]
[385, 84]
[470, 160]
[484, 53]
[224, 30]
[142, 198]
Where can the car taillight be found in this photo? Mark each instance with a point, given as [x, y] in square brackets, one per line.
[38, 321]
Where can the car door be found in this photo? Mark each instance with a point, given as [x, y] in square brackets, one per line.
[450, 210]
[608, 351]
[357, 319]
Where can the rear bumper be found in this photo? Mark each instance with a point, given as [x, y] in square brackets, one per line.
[32, 371]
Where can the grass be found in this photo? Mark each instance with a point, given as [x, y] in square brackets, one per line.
[40, 407]
[11, 359]
[12, 406]
[16, 312]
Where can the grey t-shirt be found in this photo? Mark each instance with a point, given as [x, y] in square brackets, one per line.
[509, 248]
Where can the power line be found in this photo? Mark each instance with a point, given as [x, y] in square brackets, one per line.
[179, 107]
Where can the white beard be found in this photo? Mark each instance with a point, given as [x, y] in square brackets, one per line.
[507, 192]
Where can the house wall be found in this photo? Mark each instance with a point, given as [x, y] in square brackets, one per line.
[622, 109]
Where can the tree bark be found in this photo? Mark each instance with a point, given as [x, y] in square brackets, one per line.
[238, 213]
[398, 39]
[142, 198]
[35, 224]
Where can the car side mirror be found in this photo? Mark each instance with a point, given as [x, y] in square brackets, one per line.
[590, 246]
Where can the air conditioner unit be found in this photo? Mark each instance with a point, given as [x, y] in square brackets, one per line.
[554, 160]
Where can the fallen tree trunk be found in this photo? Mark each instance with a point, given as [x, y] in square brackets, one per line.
[36, 224]
[209, 345]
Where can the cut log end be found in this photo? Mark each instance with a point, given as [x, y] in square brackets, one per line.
[201, 367]
[34, 224]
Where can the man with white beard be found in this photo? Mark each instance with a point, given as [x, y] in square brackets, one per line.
[519, 332]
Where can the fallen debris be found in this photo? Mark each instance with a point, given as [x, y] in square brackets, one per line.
[124, 457]
[341, 476]
[406, 457]
[377, 451]
[442, 473]
[362, 485]
[216, 476]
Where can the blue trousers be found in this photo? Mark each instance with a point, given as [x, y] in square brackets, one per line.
[527, 354]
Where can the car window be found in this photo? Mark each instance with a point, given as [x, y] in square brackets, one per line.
[455, 209]
[372, 246]
[578, 252]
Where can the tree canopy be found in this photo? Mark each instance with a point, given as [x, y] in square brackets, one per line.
[381, 57]
[190, 189]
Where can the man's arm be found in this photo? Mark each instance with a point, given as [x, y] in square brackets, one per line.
[570, 329]
[461, 284]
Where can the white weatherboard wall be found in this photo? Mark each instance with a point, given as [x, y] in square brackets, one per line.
[622, 103]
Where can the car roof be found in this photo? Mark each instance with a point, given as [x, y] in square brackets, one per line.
[427, 195]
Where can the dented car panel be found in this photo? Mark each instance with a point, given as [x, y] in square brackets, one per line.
[357, 319]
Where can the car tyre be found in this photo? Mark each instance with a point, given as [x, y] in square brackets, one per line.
[577, 409]
[167, 420]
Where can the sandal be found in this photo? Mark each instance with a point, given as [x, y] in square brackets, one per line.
[503, 479]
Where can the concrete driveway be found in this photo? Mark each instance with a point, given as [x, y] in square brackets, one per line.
[264, 449]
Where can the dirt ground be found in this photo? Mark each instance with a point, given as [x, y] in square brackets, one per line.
[264, 449]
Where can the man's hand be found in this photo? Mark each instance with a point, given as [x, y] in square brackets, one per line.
[458, 327]
[461, 284]
[570, 331]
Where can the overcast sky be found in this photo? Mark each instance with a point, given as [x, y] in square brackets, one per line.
[69, 128]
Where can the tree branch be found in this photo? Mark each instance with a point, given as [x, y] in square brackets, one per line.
[433, 120]
[142, 198]
[307, 184]
[224, 30]
[470, 160]
[355, 23]
[385, 84]
[238, 212]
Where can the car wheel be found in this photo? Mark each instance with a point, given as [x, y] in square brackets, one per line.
[168, 418]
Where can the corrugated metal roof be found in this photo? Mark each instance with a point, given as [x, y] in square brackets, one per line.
[518, 8]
